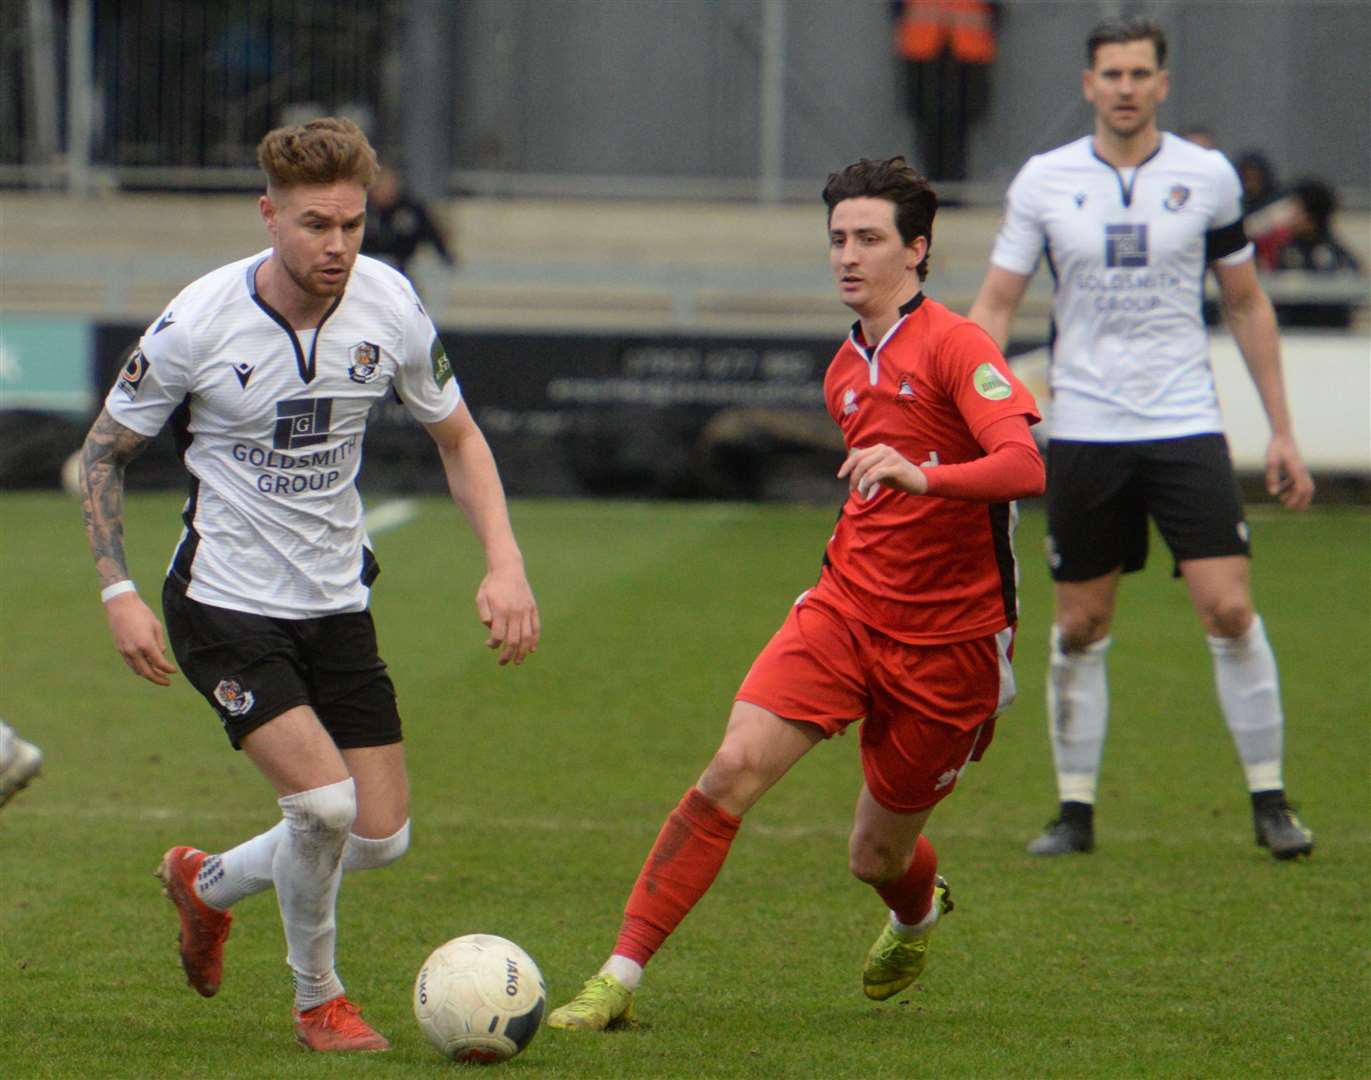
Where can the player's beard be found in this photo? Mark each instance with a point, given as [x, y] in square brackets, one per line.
[318, 288]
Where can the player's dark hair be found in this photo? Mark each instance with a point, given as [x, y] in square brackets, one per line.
[897, 182]
[323, 151]
[1320, 202]
[1121, 31]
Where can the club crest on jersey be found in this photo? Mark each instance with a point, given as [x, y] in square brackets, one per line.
[849, 402]
[232, 698]
[1177, 197]
[132, 374]
[990, 384]
[906, 390]
[366, 362]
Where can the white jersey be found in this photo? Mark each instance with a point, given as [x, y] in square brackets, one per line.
[1128, 250]
[269, 423]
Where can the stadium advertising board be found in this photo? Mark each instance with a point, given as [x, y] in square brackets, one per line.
[734, 417]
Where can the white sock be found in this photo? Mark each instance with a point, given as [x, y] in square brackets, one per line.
[923, 926]
[1077, 716]
[307, 868]
[241, 871]
[367, 853]
[629, 972]
[246, 869]
[1250, 697]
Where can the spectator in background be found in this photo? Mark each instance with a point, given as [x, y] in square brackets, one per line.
[1258, 178]
[947, 47]
[1304, 239]
[1298, 235]
[1200, 135]
[398, 223]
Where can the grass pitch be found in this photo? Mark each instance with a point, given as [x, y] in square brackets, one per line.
[1177, 950]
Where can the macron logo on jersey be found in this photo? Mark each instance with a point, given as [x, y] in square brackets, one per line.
[302, 422]
[1125, 246]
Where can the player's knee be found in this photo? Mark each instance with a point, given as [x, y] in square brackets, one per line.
[1228, 617]
[1078, 630]
[872, 862]
[329, 809]
[732, 775]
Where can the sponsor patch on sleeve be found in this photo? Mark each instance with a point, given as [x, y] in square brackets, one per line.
[442, 370]
[990, 384]
[132, 373]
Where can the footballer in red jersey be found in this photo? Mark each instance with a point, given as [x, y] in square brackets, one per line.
[922, 568]
[910, 626]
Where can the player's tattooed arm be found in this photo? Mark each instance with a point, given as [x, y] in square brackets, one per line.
[108, 449]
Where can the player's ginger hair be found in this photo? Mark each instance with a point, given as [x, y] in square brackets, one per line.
[322, 151]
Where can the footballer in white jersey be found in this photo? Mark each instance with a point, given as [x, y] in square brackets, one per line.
[1128, 250]
[1130, 219]
[266, 371]
[269, 423]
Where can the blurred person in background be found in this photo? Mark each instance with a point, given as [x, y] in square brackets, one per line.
[398, 224]
[20, 761]
[1200, 135]
[1134, 217]
[1258, 179]
[1304, 239]
[1299, 237]
[267, 369]
[947, 47]
[911, 623]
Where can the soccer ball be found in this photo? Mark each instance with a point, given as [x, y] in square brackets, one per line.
[479, 998]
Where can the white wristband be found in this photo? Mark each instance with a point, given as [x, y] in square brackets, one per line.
[109, 592]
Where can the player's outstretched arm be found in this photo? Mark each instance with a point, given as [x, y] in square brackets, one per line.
[137, 632]
[504, 599]
[1252, 321]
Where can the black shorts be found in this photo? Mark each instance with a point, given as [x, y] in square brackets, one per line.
[1099, 496]
[252, 668]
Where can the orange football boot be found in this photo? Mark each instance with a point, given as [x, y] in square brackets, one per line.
[336, 1025]
[203, 928]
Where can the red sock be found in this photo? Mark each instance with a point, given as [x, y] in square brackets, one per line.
[682, 865]
[910, 896]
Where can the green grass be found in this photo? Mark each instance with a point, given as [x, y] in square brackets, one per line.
[1177, 950]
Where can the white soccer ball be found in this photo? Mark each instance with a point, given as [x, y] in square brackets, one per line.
[479, 998]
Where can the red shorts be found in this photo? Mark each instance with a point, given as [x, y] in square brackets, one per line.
[929, 709]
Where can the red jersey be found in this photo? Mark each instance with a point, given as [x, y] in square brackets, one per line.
[919, 568]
